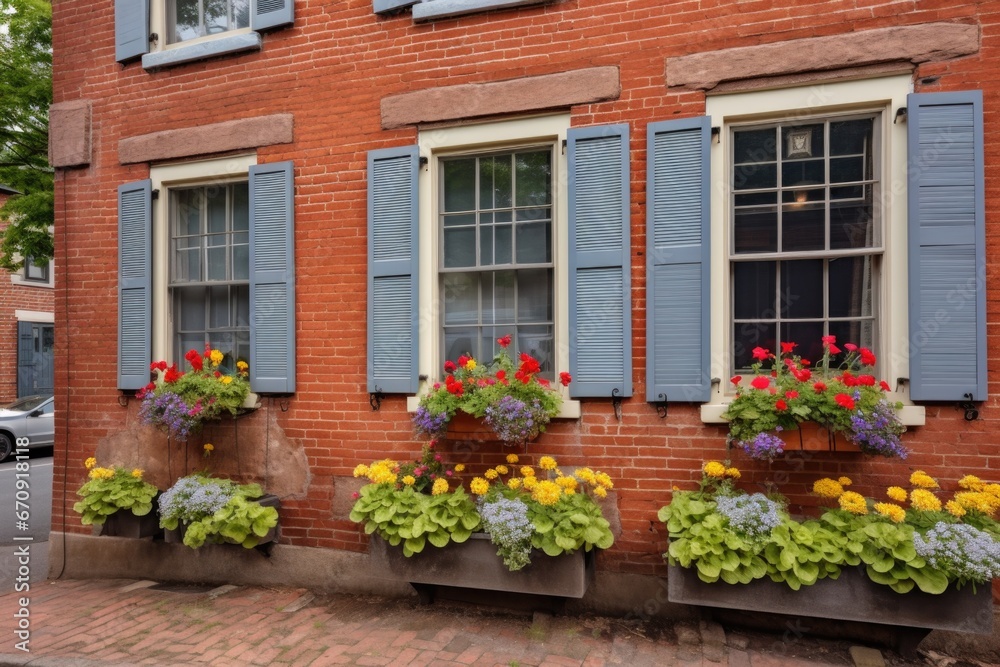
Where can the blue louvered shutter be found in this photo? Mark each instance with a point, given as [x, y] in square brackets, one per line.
[677, 260]
[26, 363]
[131, 29]
[392, 270]
[600, 352]
[134, 283]
[272, 279]
[272, 14]
[947, 263]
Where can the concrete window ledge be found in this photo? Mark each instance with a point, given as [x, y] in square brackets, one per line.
[909, 415]
[440, 9]
[186, 53]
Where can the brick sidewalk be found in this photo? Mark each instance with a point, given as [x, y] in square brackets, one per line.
[104, 622]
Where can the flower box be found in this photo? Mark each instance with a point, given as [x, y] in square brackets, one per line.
[475, 564]
[464, 427]
[176, 535]
[814, 437]
[125, 524]
[851, 597]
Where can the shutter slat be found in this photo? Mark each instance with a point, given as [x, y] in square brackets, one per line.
[269, 14]
[272, 278]
[131, 29]
[134, 284]
[677, 270]
[947, 302]
[392, 270]
[599, 262]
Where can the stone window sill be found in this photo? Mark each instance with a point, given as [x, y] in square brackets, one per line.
[570, 409]
[909, 415]
[238, 43]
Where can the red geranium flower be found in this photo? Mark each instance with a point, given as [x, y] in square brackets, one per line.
[172, 375]
[504, 342]
[802, 374]
[850, 347]
[194, 359]
[786, 348]
[791, 393]
[844, 401]
[867, 357]
[866, 380]
[780, 405]
[834, 349]
[736, 379]
[760, 382]
[829, 340]
[760, 353]
[449, 367]
[565, 378]
[884, 385]
[462, 361]
[819, 387]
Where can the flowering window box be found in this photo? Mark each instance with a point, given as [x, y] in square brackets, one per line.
[814, 437]
[265, 543]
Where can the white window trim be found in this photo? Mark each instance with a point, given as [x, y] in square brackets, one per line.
[886, 94]
[442, 142]
[17, 278]
[164, 177]
[38, 316]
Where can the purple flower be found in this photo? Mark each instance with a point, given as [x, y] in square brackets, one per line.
[878, 432]
[434, 425]
[514, 421]
[764, 446]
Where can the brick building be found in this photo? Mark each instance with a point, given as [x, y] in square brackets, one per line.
[27, 319]
[347, 135]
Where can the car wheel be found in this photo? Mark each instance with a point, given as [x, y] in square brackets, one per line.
[6, 446]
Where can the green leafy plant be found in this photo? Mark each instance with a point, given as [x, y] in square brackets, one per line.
[903, 548]
[110, 490]
[562, 509]
[216, 511]
[847, 400]
[513, 399]
[179, 403]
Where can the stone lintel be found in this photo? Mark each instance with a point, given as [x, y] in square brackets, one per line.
[928, 42]
[69, 134]
[473, 100]
[221, 137]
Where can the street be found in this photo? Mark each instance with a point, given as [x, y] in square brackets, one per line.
[25, 513]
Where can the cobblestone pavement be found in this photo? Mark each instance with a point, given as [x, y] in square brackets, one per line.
[85, 623]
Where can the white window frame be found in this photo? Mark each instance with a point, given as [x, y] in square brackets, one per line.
[436, 143]
[158, 26]
[20, 278]
[884, 94]
[165, 177]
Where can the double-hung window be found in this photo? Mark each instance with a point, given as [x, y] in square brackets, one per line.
[496, 260]
[190, 19]
[210, 269]
[806, 237]
[35, 271]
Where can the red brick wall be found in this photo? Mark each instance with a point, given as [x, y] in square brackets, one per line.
[331, 70]
[12, 298]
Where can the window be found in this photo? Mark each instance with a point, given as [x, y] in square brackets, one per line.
[210, 267]
[496, 258]
[34, 271]
[190, 19]
[805, 236]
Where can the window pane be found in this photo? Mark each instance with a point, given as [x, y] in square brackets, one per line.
[533, 178]
[187, 260]
[216, 205]
[851, 287]
[241, 13]
[802, 172]
[750, 146]
[241, 206]
[534, 243]
[241, 308]
[747, 336]
[218, 308]
[486, 245]
[808, 335]
[460, 298]
[187, 212]
[459, 341]
[185, 20]
[460, 219]
[459, 247]
[755, 176]
[851, 137]
[802, 288]
[754, 290]
[217, 263]
[803, 227]
[494, 182]
[504, 244]
[846, 169]
[859, 332]
[241, 261]
[190, 309]
[802, 141]
[534, 295]
[459, 184]
[499, 297]
[756, 199]
[756, 230]
[216, 16]
[537, 341]
[852, 224]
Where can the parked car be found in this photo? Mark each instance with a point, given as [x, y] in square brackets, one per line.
[31, 417]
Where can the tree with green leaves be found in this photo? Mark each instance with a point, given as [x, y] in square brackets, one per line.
[25, 96]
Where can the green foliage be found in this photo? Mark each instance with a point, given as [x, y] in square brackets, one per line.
[575, 521]
[25, 97]
[110, 490]
[404, 516]
[216, 511]
[240, 521]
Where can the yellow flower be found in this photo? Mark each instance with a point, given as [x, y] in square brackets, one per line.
[897, 493]
[208, 447]
[828, 488]
[586, 475]
[90, 463]
[980, 502]
[547, 463]
[568, 483]
[844, 481]
[216, 358]
[992, 489]
[361, 470]
[383, 472]
[733, 473]
[470, 365]
[604, 480]
[137, 473]
[460, 467]
[479, 486]
[892, 511]
[971, 482]
[491, 474]
[853, 502]
[546, 493]
[512, 459]
[514, 483]
[440, 486]
[527, 471]
[226, 379]
[409, 480]
[922, 499]
[502, 469]
[600, 492]
[530, 483]
[954, 509]
[242, 366]
[921, 479]
[714, 469]
[101, 473]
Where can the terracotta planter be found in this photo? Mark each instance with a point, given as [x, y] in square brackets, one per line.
[464, 427]
[125, 524]
[851, 597]
[475, 564]
[814, 437]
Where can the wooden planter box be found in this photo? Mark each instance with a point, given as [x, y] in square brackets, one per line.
[176, 535]
[813, 437]
[851, 597]
[125, 524]
[475, 564]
